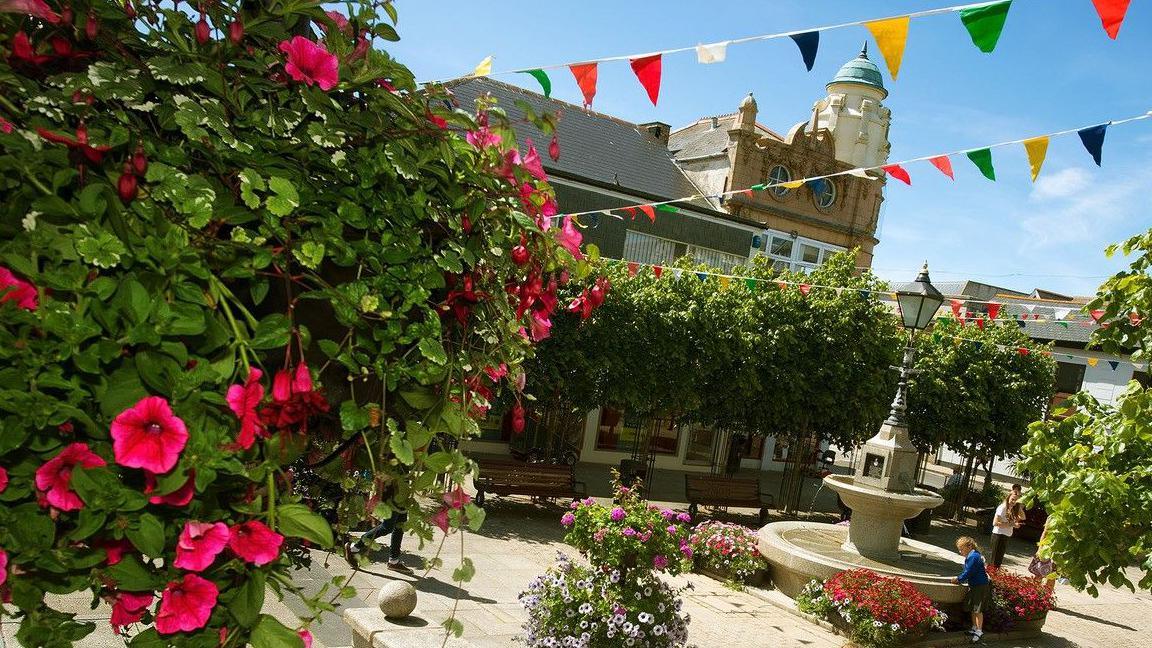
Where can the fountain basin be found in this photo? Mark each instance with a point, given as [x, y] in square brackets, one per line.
[799, 552]
[878, 515]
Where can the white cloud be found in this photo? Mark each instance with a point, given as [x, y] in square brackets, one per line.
[1065, 183]
[1081, 208]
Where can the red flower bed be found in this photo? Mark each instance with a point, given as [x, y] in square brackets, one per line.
[886, 599]
[1016, 598]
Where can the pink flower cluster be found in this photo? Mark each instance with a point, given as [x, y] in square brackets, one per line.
[886, 599]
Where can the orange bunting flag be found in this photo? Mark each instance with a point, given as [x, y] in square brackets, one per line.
[647, 69]
[805, 289]
[956, 304]
[898, 172]
[724, 283]
[657, 270]
[1111, 15]
[649, 211]
[782, 285]
[1097, 314]
[747, 192]
[891, 35]
[944, 164]
[585, 74]
[993, 310]
[1092, 362]
[633, 268]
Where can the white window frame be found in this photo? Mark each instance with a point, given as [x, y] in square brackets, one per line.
[795, 260]
[642, 247]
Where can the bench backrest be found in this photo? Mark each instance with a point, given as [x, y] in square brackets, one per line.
[722, 487]
[514, 473]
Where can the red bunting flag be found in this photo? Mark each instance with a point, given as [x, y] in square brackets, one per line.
[980, 323]
[993, 310]
[1111, 15]
[1135, 318]
[657, 270]
[956, 305]
[631, 211]
[747, 192]
[898, 172]
[944, 164]
[633, 268]
[1097, 314]
[805, 289]
[782, 285]
[1022, 351]
[648, 211]
[647, 69]
[585, 74]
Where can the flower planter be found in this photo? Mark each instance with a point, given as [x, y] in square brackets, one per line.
[759, 579]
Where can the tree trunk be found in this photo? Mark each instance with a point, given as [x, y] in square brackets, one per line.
[965, 485]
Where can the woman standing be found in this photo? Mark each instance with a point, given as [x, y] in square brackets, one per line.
[1009, 516]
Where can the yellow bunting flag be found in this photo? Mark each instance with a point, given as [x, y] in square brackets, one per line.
[1037, 148]
[485, 67]
[891, 35]
[1092, 362]
[724, 283]
[795, 184]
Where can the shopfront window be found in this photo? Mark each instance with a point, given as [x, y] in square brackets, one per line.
[623, 433]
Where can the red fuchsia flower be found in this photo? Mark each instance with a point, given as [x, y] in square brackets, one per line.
[203, 32]
[126, 186]
[24, 55]
[582, 305]
[236, 30]
[148, 436]
[129, 9]
[532, 164]
[179, 497]
[199, 544]
[254, 542]
[554, 149]
[243, 401]
[54, 478]
[91, 25]
[569, 238]
[311, 63]
[540, 325]
[456, 498]
[461, 297]
[35, 8]
[483, 138]
[79, 144]
[440, 519]
[508, 168]
[16, 290]
[496, 373]
[521, 255]
[139, 161]
[294, 400]
[518, 418]
[185, 605]
[3, 479]
[598, 291]
[129, 608]
[440, 122]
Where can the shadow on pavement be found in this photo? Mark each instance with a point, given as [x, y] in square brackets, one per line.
[436, 586]
[1093, 619]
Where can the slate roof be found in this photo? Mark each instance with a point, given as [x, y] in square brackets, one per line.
[593, 146]
[701, 138]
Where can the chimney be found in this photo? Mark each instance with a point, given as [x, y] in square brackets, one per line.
[658, 131]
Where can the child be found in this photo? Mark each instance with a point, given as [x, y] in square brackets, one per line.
[975, 576]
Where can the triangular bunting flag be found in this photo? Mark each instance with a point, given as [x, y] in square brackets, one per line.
[1093, 139]
[648, 211]
[993, 310]
[1115, 364]
[1062, 324]
[1037, 149]
[758, 187]
[657, 270]
[724, 283]
[1092, 362]
[484, 68]
[633, 268]
[982, 158]
[1022, 351]
[714, 53]
[542, 78]
[898, 172]
[891, 35]
[861, 173]
[647, 69]
[747, 192]
[817, 185]
[585, 74]
[631, 212]
[702, 276]
[608, 212]
[676, 273]
[794, 184]
[782, 285]
[1021, 324]
[1097, 314]
[751, 283]
[805, 289]
[984, 24]
[1111, 15]
[864, 293]
[980, 323]
[956, 304]
[671, 209]
[808, 42]
[944, 164]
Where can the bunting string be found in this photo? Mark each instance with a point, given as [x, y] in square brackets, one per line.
[1091, 136]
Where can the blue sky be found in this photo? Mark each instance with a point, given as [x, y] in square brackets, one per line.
[1053, 69]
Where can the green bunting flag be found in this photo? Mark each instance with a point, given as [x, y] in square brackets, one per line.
[984, 24]
[758, 187]
[982, 158]
[542, 77]
[751, 283]
[671, 209]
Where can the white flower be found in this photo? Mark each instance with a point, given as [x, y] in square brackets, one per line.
[895, 626]
[878, 624]
[29, 221]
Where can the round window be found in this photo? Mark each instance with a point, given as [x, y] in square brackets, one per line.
[824, 193]
[778, 175]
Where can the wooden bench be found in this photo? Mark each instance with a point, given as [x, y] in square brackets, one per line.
[534, 479]
[713, 490]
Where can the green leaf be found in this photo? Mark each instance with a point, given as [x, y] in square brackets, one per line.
[353, 418]
[475, 515]
[135, 300]
[298, 521]
[272, 332]
[132, 576]
[422, 399]
[310, 254]
[250, 183]
[270, 633]
[432, 349]
[465, 571]
[99, 248]
[90, 521]
[418, 436]
[148, 535]
[438, 461]
[453, 626]
[284, 198]
[245, 606]
[402, 449]
[92, 202]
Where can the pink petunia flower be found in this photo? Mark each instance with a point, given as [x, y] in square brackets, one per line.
[305, 636]
[531, 162]
[185, 605]
[114, 548]
[3, 479]
[483, 138]
[569, 238]
[254, 542]
[129, 608]
[35, 8]
[3, 567]
[199, 544]
[179, 497]
[148, 436]
[5, 126]
[243, 401]
[456, 498]
[54, 478]
[311, 63]
[659, 562]
[341, 22]
[568, 519]
[15, 289]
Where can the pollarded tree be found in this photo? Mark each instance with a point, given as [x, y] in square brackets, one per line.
[1092, 467]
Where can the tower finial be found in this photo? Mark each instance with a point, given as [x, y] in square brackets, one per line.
[864, 50]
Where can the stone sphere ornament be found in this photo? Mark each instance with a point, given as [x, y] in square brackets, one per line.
[396, 599]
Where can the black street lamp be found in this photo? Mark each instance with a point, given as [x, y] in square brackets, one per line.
[918, 304]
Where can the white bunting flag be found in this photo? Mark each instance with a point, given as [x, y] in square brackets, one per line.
[609, 213]
[862, 173]
[714, 53]
[1061, 313]
[676, 272]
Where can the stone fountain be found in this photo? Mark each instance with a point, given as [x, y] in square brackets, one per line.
[882, 495]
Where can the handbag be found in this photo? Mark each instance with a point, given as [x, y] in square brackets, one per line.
[1040, 568]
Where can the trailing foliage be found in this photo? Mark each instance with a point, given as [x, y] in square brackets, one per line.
[234, 239]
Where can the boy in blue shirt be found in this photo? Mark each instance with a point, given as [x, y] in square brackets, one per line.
[976, 577]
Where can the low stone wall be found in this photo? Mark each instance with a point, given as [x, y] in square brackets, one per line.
[371, 629]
